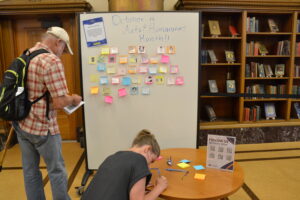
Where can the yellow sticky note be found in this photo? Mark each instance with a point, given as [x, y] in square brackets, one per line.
[111, 70]
[94, 90]
[92, 60]
[183, 165]
[162, 69]
[94, 78]
[199, 176]
[105, 50]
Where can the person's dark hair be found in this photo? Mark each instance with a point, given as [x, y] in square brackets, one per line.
[144, 137]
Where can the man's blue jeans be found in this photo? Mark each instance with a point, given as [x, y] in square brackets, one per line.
[49, 147]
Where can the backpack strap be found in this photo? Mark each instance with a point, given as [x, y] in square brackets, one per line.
[46, 94]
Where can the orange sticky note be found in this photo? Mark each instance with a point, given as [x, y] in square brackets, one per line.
[199, 176]
[183, 165]
[94, 90]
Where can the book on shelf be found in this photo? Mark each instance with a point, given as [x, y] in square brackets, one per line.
[204, 56]
[297, 71]
[283, 47]
[253, 69]
[202, 29]
[233, 31]
[229, 55]
[298, 26]
[270, 112]
[281, 89]
[272, 25]
[252, 24]
[297, 109]
[279, 70]
[213, 88]
[268, 71]
[210, 113]
[214, 27]
[247, 71]
[271, 89]
[212, 56]
[246, 114]
[262, 49]
[294, 89]
[297, 49]
[261, 70]
[230, 86]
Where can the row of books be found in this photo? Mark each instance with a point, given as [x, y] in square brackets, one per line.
[256, 48]
[254, 113]
[297, 71]
[252, 24]
[255, 69]
[283, 47]
[297, 49]
[210, 56]
[230, 86]
[265, 89]
[296, 89]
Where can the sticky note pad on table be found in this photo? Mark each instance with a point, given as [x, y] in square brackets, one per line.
[198, 167]
[185, 161]
[199, 176]
[183, 165]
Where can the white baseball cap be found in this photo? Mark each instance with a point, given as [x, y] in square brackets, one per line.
[61, 34]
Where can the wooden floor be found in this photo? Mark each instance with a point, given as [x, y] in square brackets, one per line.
[271, 172]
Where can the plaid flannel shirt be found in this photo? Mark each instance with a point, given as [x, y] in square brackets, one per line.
[45, 72]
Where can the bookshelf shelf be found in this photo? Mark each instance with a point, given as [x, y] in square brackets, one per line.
[265, 99]
[269, 56]
[220, 64]
[221, 38]
[269, 33]
[267, 78]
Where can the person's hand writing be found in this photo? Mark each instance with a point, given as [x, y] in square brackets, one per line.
[161, 183]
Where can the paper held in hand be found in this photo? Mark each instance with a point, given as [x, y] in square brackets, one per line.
[71, 108]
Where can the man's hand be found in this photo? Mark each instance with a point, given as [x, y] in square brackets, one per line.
[76, 99]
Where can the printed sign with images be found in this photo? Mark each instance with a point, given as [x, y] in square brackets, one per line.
[220, 152]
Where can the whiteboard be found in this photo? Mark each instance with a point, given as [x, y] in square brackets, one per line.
[168, 111]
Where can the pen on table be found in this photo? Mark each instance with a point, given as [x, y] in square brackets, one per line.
[176, 170]
[158, 171]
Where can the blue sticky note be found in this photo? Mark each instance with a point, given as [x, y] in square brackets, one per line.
[198, 167]
[101, 67]
[126, 80]
[185, 161]
[103, 80]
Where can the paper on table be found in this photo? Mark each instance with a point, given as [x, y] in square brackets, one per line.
[71, 108]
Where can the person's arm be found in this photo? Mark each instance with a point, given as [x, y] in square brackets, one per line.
[62, 101]
[137, 191]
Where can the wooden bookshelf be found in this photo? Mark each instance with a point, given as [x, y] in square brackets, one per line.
[252, 23]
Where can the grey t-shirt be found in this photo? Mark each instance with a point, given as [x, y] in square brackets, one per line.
[116, 176]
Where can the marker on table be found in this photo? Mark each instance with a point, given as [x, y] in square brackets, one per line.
[176, 170]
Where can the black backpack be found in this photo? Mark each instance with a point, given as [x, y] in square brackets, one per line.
[14, 103]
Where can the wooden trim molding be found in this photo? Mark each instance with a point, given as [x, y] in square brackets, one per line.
[284, 5]
[19, 7]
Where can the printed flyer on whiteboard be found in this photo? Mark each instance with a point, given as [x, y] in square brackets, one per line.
[220, 152]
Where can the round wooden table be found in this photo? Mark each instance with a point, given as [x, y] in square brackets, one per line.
[217, 184]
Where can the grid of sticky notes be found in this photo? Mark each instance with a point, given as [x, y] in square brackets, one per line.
[134, 72]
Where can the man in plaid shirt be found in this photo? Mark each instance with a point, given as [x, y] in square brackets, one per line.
[38, 134]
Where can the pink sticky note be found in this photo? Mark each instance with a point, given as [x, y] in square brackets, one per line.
[179, 80]
[165, 59]
[108, 99]
[122, 92]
